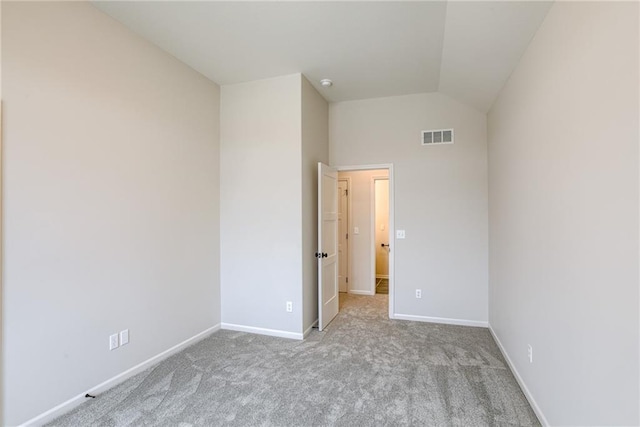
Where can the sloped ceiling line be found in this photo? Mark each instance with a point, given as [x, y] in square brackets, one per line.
[369, 49]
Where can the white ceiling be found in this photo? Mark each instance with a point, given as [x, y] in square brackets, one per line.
[369, 49]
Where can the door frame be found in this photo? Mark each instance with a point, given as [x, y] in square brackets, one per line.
[392, 233]
[347, 179]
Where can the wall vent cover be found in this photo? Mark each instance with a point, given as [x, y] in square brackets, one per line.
[437, 137]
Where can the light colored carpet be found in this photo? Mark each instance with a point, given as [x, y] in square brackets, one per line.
[365, 370]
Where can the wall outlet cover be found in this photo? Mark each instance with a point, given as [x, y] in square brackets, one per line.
[113, 342]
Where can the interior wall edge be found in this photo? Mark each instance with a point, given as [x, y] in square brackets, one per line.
[307, 331]
[519, 379]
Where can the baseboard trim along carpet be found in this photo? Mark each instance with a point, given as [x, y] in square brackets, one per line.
[446, 321]
[310, 328]
[263, 331]
[361, 292]
[521, 383]
[65, 407]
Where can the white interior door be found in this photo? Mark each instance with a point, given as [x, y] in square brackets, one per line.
[327, 254]
[343, 230]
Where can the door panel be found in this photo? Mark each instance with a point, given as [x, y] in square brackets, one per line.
[328, 298]
[328, 291]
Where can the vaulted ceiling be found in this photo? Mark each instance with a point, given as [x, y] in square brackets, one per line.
[466, 49]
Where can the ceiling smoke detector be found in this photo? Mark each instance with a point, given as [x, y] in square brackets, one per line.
[326, 83]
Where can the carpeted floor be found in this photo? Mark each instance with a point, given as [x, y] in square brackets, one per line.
[364, 370]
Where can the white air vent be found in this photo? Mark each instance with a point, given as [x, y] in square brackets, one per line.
[437, 137]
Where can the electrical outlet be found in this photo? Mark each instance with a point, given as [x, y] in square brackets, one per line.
[124, 337]
[530, 353]
[418, 293]
[400, 234]
[113, 342]
[289, 306]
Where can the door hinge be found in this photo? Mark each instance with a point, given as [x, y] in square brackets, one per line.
[347, 279]
[347, 236]
[346, 192]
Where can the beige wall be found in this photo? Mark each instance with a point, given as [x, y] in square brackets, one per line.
[563, 179]
[1, 240]
[273, 134]
[1, 251]
[440, 197]
[261, 204]
[315, 148]
[382, 227]
[110, 203]
[361, 245]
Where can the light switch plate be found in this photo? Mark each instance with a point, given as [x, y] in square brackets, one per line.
[399, 234]
[124, 337]
[356, 230]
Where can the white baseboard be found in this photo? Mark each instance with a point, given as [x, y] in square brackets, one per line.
[67, 406]
[444, 320]
[382, 276]
[354, 292]
[523, 386]
[308, 330]
[263, 331]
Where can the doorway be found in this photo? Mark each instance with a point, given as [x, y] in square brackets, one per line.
[365, 264]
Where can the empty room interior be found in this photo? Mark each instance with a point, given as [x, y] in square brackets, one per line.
[320, 213]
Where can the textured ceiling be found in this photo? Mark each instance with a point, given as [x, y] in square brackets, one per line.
[369, 49]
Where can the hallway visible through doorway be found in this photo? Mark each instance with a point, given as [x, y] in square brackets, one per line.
[381, 231]
[364, 231]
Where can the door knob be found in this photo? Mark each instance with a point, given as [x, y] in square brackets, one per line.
[324, 255]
